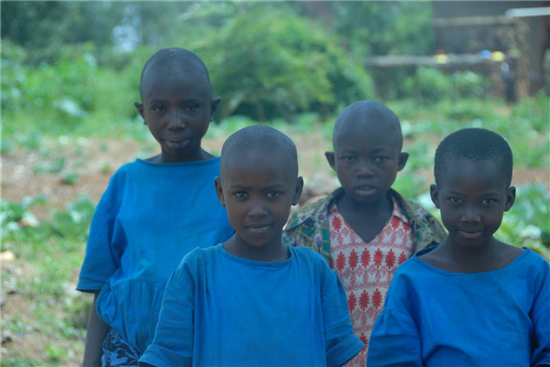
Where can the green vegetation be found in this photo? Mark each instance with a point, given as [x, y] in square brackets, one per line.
[70, 73]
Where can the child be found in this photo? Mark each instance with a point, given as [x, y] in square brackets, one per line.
[473, 300]
[253, 301]
[365, 229]
[153, 213]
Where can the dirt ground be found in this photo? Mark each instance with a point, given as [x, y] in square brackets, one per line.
[21, 178]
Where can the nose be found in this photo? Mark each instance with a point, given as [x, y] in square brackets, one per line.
[364, 170]
[471, 215]
[176, 121]
[257, 209]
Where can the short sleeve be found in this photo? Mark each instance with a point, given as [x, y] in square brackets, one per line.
[394, 342]
[341, 343]
[541, 320]
[174, 335]
[105, 242]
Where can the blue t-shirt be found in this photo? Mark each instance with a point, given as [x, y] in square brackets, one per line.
[223, 310]
[148, 219]
[433, 317]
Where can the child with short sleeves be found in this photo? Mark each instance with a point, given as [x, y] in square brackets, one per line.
[251, 300]
[153, 212]
[472, 300]
[365, 229]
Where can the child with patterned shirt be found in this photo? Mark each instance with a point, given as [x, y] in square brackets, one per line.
[472, 300]
[364, 229]
[253, 301]
[153, 212]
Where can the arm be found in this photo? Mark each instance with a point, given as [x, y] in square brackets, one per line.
[341, 343]
[394, 342]
[174, 336]
[96, 332]
[541, 321]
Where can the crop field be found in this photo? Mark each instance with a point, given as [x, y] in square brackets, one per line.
[52, 182]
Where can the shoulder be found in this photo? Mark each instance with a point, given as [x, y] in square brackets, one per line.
[308, 256]
[312, 213]
[536, 265]
[198, 258]
[125, 172]
[411, 209]
[425, 226]
[309, 213]
[313, 264]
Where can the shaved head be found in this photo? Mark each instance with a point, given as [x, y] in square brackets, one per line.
[367, 114]
[171, 62]
[260, 141]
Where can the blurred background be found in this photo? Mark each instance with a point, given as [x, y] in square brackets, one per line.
[70, 74]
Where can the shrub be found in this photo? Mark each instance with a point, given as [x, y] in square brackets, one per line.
[469, 84]
[429, 85]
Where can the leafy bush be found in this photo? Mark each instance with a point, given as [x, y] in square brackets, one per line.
[429, 85]
[62, 92]
[268, 62]
[528, 222]
[467, 84]
[535, 111]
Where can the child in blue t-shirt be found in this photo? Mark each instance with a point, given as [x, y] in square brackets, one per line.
[472, 300]
[153, 212]
[253, 301]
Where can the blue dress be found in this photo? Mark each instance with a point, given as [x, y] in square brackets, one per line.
[433, 317]
[148, 219]
[223, 310]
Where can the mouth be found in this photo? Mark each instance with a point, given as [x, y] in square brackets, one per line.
[470, 234]
[177, 143]
[258, 228]
[365, 190]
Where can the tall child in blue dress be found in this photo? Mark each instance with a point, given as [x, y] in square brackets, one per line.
[153, 212]
[253, 301]
[472, 300]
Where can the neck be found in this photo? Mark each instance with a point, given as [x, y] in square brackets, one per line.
[274, 251]
[380, 206]
[470, 255]
[198, 154]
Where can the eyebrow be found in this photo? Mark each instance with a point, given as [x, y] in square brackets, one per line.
[269, 187]
[187, 100]
[486, 193]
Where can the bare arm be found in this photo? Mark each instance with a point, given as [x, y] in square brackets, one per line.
[97, 330]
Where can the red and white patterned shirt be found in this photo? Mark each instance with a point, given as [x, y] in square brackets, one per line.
[366, 268]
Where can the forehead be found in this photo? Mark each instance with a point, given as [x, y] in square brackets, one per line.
[169, 82]
[472, 176]
[358, 134]
[257, 168]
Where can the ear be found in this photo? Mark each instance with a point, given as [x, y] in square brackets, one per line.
[330, 159]
[219, 190]
[510, 198]
[214, 106]
[403, 158]
[139, 107]
[434, 193]
[298, 190]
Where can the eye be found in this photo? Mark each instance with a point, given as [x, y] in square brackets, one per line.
[380, 158]
[159, 108]
[274, 194]
[488, 201]
[241, 194]
[191, 108]
[454, 200]
[348, 159]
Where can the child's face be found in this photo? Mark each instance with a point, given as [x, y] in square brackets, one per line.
[258, 192]
[366, 159]
[177, 109]
[472, 198]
